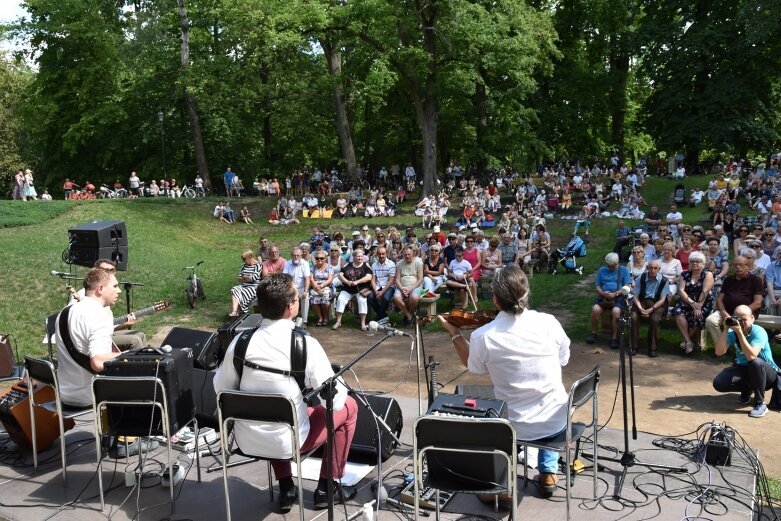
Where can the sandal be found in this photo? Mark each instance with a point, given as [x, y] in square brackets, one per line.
[336, 326]
[233, 314]
[688, 348]
[364, 328]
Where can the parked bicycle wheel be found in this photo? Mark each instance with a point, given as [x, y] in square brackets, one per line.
[191, 296]
[199, 290]
[188, 193]
[121, 193]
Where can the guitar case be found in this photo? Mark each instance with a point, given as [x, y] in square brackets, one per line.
[15, 416]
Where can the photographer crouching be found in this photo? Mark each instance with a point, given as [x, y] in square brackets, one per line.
[754, 370]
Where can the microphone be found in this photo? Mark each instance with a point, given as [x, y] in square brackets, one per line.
[59, 274]
[626, 290]
[376, 326]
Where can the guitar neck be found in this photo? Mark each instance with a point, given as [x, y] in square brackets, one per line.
[140, 313]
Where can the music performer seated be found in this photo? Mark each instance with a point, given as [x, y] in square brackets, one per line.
[85, 342]
[522, 351]
[123, 337]
[269, 348]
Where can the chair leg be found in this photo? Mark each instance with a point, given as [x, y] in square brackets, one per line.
[31, 404]
[62, 448]
[225, 477]
[300, 482]
[270, 482]
[436, 499]
[99, 455]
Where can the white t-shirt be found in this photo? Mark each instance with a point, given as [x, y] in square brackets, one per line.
[270, 347]
[523, 354]
[300, 273]
[91, 327]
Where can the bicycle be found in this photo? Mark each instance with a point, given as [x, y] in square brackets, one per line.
[188, 192]
[194, 288]
[110, 193]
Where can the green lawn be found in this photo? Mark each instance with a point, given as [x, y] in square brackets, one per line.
[166, 235]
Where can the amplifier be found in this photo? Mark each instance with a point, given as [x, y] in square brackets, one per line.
[234, 328]
[467, 406]
[174, 369]
[365, 439]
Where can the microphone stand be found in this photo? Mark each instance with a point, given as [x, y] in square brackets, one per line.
[627, 459]
[327, 391]
[129, 294]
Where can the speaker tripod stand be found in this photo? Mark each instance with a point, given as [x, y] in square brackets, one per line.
[626, 353]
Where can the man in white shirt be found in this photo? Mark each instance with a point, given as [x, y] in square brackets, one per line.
[135, 182]
[268, 351]
[673, 219]
[89, 328]
[383, 277]
[297, 268]
[523, 352]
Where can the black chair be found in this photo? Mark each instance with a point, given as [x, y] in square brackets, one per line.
[265, 409]
[51, 331]
[42, 371]
[135, 392]
[472, 455]
[581, 392]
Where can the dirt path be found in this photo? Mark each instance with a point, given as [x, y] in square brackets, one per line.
[673, 395]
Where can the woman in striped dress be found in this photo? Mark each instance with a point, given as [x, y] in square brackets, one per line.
[243, 294]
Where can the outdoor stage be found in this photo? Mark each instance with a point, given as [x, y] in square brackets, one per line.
[725, 493]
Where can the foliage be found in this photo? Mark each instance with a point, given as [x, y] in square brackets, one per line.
[14, 81]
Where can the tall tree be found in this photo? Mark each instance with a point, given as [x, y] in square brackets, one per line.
[189, 98]
[709, 63]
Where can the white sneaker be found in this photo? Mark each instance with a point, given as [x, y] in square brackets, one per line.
[533, 451]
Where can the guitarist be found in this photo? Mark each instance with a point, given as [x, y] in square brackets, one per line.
[84, 337]
[123, 337]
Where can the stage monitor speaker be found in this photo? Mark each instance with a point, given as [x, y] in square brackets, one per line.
[365, 439]
[235, 327]
[174, 369]
[204, 344]
[98, 234]
[87, 255]
[205, 398]
[98, 240]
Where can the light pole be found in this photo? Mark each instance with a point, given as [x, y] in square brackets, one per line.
[161, 118]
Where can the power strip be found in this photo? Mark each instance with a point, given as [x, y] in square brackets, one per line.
[427, 497]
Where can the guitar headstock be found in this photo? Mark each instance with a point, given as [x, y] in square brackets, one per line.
[161, 305]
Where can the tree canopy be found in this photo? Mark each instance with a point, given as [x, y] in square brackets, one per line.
[266, 86]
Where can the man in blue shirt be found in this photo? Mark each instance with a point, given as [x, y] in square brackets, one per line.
[773, 281]
[611, 278]
[228, 177]
[754, 370]
[651, 291]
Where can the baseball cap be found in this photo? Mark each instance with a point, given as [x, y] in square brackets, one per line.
[356, 232]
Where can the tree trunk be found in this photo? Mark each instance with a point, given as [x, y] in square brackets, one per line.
[428, 121]
[192, 109]
[619, 68]
[268, 151]
[481, 116]
[334, 58]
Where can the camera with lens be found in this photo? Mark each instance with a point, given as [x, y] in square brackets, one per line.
[732, 321]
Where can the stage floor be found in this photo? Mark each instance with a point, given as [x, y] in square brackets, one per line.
[725, 493]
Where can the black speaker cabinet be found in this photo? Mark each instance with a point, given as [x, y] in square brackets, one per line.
[235, 327]
[365, 440]
[98, 234]
[86, 256]
[204, 344]
[174, 369]
[98, 240]
[205, 399]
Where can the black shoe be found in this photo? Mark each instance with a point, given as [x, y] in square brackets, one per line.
[287, 498]
[344, 493]
[652, 353]
[613, 344]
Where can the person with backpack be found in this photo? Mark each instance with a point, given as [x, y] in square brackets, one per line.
[277, 358]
